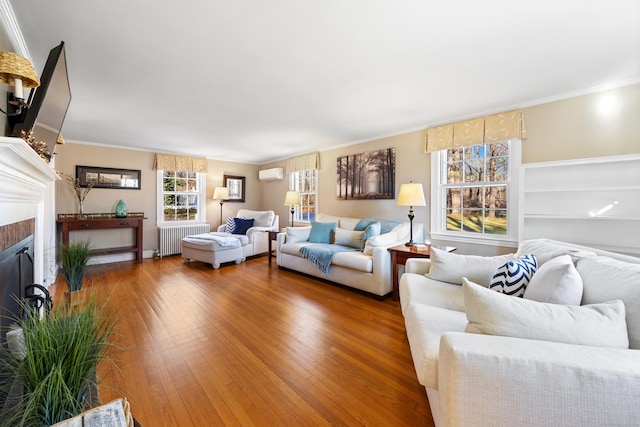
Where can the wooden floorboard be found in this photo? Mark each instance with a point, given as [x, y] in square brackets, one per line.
[251, 344]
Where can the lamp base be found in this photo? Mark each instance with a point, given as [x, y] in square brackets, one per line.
[410, 243]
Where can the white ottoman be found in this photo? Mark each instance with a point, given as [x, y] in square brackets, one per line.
[213, 248]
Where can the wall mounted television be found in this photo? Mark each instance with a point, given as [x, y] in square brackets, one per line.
[49, 102]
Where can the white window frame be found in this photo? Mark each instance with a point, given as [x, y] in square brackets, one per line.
[201, 218]
[438, 218]
[294, 186]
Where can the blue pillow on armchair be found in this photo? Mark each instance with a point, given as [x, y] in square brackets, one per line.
[242, 225]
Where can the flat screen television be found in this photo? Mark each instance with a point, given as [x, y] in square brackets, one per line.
[49, 102]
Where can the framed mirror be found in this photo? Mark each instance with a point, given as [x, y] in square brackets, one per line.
[236, 186]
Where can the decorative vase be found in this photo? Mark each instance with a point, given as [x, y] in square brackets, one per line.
[121, 209]
[81, 209]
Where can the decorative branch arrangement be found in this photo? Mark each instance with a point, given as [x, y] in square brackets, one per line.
[81, 192]
[39, 147]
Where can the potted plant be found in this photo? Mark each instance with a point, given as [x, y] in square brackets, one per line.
[73, 257]
[53, 374]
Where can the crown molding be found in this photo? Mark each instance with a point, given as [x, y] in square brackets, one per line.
[13, 29]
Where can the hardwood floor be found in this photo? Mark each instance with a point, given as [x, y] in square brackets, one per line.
[250, 344]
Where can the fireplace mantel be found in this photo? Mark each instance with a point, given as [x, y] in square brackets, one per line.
[27, 190]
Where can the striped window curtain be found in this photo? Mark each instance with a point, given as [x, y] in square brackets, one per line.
[180, 163]
[301, 163]
[483, 130]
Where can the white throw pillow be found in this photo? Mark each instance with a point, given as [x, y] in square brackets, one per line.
[350, 238]
[493, 313]
[513, 277]
[606, 278]
[297, 234]
[557, 282]
[385, 239]
[450, 267]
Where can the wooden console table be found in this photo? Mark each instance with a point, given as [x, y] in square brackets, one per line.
[102, 222]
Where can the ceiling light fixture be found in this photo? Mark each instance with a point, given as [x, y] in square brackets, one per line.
[18, 72]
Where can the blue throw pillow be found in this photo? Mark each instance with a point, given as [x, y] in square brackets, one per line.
[372, 229]
[322, 232]
[513, 277]
[242, 225]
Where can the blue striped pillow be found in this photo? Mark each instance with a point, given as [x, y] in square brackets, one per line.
[513, 277]
[231, 225]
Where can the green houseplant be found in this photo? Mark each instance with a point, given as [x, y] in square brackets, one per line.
[74, 257]
[56, 368]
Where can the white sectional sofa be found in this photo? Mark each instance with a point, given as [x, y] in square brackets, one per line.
[367, 267]
[564, 355]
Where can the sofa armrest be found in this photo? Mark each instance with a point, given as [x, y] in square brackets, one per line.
[417, 265]
[492, 380]
[221, 228]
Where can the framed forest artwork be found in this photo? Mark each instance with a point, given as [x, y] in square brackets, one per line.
[369, 175]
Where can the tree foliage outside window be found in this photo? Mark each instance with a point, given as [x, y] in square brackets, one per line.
[180, 192]
[305, 182]
[475, 183]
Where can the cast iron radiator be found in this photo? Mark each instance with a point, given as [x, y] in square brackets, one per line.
[171, 236]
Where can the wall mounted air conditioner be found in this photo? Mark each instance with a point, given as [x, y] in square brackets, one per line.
[270, 174]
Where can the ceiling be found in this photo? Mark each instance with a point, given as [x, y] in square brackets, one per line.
[257, 81]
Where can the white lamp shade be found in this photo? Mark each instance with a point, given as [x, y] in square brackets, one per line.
[292, 198]
[221, 193]
[411, 195]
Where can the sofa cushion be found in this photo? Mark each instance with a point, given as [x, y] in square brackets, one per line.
[350, 238]
[354, 261]
[322, 232]
[297, 234]
[416, 288]
[260, 218]
[450, 267]
[546, 249]
[425, 326]
[605, 278]
[385, 239]
[349, 223]
[513, 277]
[556, 282]
[370, 231]
[327, 218]
[293, 248]
[493, 313]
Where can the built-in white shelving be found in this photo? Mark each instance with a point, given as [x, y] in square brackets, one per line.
[595, 202]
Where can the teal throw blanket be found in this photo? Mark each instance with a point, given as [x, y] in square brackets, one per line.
[321, 254]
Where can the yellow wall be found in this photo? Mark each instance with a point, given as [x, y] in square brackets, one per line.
[565, 129]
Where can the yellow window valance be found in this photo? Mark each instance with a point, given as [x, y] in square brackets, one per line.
[488, 129]
[180, 163]
[301, 163]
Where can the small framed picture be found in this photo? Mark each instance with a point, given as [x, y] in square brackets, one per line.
[128, 179]
[236, 186]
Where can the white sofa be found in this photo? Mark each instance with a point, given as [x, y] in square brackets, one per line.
[367, 269]
[522, 371]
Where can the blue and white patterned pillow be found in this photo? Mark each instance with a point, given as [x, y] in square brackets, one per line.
[231, 225]
[513, 277]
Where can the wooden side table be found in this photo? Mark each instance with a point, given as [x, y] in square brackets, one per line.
[400, 254]
[273, 235]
